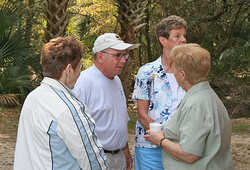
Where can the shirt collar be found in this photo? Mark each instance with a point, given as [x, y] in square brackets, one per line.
[196, 88]
[56, 84]
[160, 67]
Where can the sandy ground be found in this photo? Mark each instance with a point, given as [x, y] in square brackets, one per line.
[240, 148]
[7, 147]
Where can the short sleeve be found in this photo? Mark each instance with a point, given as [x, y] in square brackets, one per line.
[194, 129]
[142, 85]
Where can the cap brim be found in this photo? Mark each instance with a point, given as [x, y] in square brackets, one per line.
[125, 46]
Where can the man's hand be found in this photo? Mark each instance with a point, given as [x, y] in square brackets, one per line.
[129, 160]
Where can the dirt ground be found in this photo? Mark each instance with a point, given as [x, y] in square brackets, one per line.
[240, 146]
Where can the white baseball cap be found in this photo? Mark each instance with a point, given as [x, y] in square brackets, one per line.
[111, 40]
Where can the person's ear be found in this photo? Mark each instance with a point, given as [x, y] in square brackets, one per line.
[183, 75]
[68, 68]
[163, 41]
[99, 57]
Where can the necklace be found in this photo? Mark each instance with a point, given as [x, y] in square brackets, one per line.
[165, 66]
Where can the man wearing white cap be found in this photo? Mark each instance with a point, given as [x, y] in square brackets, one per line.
[101, 90]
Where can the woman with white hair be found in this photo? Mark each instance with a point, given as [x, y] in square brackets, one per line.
[198, 136]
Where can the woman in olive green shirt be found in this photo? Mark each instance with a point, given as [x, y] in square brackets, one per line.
[198, 135]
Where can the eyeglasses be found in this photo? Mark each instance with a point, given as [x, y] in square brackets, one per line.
[118, 56]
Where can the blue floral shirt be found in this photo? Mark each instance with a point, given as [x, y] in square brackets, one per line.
[163, 92]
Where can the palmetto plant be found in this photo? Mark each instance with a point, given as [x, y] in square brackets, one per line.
[14, 75]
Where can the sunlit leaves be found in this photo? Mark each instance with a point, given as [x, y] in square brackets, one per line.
[90, 18]
[101, 12]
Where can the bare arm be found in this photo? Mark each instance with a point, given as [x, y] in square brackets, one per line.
[143, 118]
[128, 157]
[170, 147]
[176, 152]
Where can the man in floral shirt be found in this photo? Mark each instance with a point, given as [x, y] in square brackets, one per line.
[157, 93]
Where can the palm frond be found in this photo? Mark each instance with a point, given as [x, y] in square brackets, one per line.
[9, 100]
[8, 15]
[15, 79]
[12, 45]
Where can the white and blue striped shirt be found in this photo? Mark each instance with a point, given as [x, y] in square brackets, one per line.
[55, 132]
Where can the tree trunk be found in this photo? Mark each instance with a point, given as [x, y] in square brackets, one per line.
[57, 18]
[131, 14]
[150, 58]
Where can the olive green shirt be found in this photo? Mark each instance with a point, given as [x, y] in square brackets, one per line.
[201, 126]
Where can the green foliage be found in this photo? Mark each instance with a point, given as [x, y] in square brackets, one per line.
[93, 17]
[233, 70]
[236, 62]
[9, 39]
[11, 50]
[15, 80]
[7, 16]
[87, 62]
[89, 19]
[88, 38]
[222, 27]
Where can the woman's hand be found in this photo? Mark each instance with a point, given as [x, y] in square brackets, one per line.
[154, 137]
[170, 147]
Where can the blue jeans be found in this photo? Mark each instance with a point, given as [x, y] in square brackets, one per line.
[148, 159]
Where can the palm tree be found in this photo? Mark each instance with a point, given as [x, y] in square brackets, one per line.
[57, 18]
[131, 15]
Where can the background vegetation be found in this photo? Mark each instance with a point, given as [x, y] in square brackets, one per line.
[221, 26]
